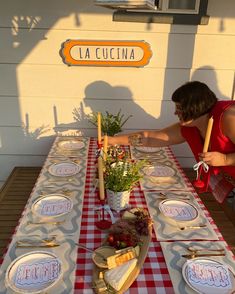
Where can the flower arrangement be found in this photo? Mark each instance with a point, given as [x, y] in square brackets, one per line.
[122, 175]
[111, 124]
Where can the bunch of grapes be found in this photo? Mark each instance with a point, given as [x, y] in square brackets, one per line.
[122, 234]
[142, 222]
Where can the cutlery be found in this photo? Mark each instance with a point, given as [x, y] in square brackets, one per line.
[61, 179]
[161, 180]
[192, 255]
[45, 245]
[66, 192]
[92, 251]
[49, 223]
[65, 159]
[192, 227]
[181, 197]
[31, 242]
[194, 250]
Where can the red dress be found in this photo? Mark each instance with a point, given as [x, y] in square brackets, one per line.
[218, 142]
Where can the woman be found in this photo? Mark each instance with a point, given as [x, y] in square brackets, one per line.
[195, 103]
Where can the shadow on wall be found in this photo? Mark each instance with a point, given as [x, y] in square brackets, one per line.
[24, 24]
[207, 75]
[100, 97]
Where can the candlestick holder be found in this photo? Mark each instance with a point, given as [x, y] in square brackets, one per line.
[103, 223]
[198, 183]
[99, 145]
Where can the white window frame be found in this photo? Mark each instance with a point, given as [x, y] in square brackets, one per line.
[163, 14]
[164, 8]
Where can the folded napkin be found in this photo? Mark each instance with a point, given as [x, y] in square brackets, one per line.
[161, 180]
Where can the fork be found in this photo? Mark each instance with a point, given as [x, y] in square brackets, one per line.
[64, 191]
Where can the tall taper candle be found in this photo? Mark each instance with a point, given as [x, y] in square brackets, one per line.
[99, 127]
[208, 134]
[101, 177]
[105, 148]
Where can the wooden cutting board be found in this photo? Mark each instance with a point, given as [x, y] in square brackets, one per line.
[134, 274]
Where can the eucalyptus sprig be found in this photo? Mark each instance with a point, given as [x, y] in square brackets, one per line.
[111, 124]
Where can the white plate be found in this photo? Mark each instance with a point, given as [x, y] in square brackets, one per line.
[159, 171]
[64, 169]
[71, 145]
[52, 205]
[178, 210]
[208, 276]
[148, 149]
[33, 272]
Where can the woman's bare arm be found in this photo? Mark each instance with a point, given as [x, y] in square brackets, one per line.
[228, 128]
[158, 138]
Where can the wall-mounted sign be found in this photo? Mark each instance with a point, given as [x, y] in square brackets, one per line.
[106, 53]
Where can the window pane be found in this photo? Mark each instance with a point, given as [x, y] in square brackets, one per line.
[182, 4]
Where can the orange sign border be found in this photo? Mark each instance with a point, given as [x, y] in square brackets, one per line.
[67, 58]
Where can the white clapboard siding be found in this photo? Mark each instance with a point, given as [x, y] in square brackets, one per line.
[30, 143]
[118, 83]
[169, 50]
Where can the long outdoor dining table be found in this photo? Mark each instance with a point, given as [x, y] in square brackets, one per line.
[156, 276]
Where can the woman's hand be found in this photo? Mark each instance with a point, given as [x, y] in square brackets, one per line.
[214, 158]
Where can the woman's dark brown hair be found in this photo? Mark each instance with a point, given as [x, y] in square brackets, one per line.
[195, 99]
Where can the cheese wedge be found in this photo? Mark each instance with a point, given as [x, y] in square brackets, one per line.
[118, 259]
[128, 215]
[117, 276]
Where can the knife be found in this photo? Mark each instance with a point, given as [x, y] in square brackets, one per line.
[37, 246]
[190, 256]
[192, 227]
[46, 223]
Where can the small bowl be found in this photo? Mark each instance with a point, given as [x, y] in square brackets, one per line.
[106, 251]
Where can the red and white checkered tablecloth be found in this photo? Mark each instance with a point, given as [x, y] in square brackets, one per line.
[154, 276]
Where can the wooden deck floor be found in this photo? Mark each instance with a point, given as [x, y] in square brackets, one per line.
[15, 193]
[13, 198]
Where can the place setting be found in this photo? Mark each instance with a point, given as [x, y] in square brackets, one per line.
[63, 172]
[69, 147]
[36, 264]
[200, 267]
[151, 154]
[52, 213]
[178, 218]
[162, 175]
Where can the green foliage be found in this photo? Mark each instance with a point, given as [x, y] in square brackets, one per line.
[111, 124]
[122, 175]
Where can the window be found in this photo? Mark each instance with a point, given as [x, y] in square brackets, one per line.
[190, 12]
[179, 6]
[127, 4]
